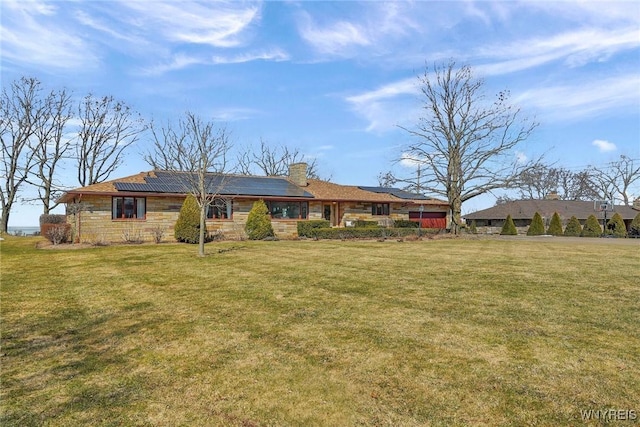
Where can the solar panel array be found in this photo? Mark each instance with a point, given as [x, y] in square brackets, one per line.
[230, 185]
[401, 194]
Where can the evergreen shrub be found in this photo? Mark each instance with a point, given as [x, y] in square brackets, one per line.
[573, 228]
[591, 227]
[634, 230]
[187, 228]
[509, 228]
[405, 223]
[258, 226]
[616, 227]
[555, 226]
[307, 228]
[537, 226]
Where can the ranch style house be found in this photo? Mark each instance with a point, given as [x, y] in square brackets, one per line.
[152, 200]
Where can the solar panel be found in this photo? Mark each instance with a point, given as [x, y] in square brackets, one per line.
[179, 182]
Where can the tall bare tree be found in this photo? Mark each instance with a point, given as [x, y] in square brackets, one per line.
[542, 180]
[273, 160]
[50, 145]
[107, 128]
[464, 145]
[196, 150]
[20, 111]
[615, 180]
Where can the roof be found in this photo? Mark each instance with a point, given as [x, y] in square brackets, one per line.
[525, 209]
[164, 182]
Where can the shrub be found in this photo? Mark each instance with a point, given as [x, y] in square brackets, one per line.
[365, 224]
[306, 228]
[405, 223]
[157, 233]
[187, 228]
[56, 233]
[591, 227]
[537, 226]
[509, 228]
[573, 227]
[258, 225]
[52, 219]
[555, 226]
[369, 232]
[473, 228]
[616, 227]
[634, 230]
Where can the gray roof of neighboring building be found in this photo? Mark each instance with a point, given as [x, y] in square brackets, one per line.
[525, 209]
[401, 194]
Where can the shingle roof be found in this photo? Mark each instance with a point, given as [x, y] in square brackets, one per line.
[163, 182]
[525, 209]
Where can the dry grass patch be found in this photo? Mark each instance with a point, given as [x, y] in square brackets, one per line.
[440, 332]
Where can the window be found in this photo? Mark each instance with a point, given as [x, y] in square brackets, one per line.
[288, 210]
[380, 209]
[129, 208]
[220, 209]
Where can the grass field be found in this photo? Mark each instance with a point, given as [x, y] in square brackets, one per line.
[437, 332]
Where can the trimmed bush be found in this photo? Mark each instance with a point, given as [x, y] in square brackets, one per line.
[370, 232]
[52, 219]
[365, 224]
[405, 223]
[187, 228]
[555, 226]
[307, 228]
[616, 227]
[258, 225]
[473, 228]
[56, 233]
[634, 230]
[591, 227]
[509, 228]
[537, 226]
[573, 229]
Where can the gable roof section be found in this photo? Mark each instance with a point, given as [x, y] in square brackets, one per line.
[525, 209]
[164, 182]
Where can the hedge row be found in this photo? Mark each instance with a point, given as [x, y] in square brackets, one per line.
[305, 228]
[367, 233]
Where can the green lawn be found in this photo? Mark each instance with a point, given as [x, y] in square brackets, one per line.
[436, 332]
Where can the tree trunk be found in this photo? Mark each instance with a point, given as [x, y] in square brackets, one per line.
[456, 213]
[203, 225]
[5, 219]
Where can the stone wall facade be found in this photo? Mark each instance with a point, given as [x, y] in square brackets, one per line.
[94, 223]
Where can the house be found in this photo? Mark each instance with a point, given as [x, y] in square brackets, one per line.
[149, 201]
[491, 220]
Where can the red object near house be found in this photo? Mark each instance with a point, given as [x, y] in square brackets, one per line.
[430, 219]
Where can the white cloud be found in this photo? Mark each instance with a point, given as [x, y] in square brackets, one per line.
[335, 38]
[604, 146]
[584, 98]
[276, 55]
[521, 157]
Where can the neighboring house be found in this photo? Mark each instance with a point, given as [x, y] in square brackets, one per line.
[491, 220]
[149, 201]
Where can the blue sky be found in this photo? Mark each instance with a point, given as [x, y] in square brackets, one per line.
[335, 79]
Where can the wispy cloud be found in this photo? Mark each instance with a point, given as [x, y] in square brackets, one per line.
[31, 34]
[234, 114]
[335, 38]
[267, 55]
[604, 146]
[586, 98]
[219, 24]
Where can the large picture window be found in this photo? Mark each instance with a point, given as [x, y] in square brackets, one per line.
[129, 208]
[220, 209]
[380, 209]
[288, 210]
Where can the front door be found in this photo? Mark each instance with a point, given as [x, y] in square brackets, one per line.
[327, 212]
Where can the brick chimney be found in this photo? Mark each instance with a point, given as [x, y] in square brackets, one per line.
[553, 196]
[636, 204]
[298, 174]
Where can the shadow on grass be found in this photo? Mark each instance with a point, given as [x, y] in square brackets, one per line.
[77, 364]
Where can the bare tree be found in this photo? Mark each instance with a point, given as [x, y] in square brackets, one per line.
[615, 181]
[465, 147]
[20, 111]
[273, 161]
[107, 128]
[50, 146]
[542, 180]
[197, 152]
